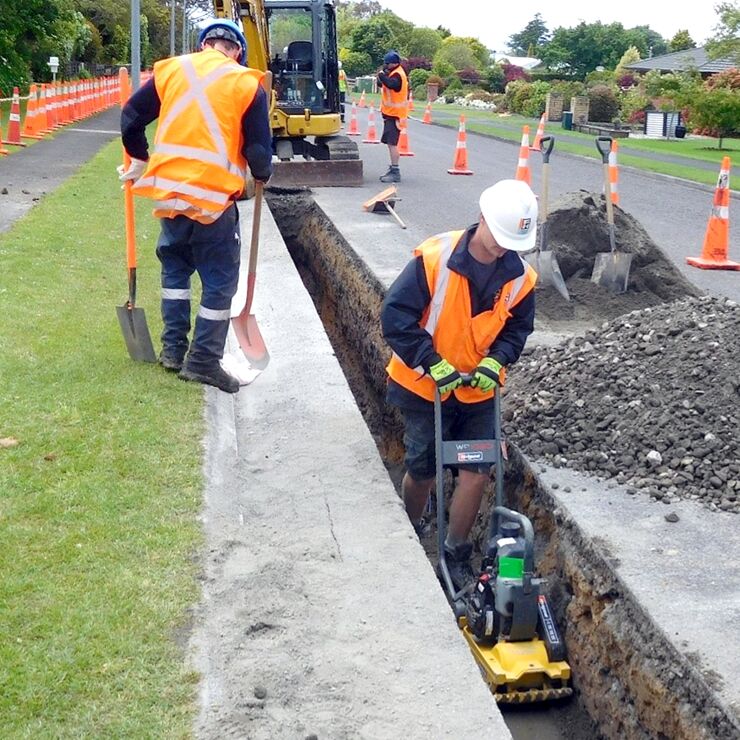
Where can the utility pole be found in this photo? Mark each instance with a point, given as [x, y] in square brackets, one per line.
[135, 45]
[172, 28]
[184, 28]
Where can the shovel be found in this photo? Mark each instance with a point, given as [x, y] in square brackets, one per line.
[611, 269]
[542, 259]
[245, 324]
[132, 319]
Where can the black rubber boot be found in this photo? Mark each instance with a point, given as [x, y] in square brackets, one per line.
[170, 362]
[458, 563]
[393, 174]
[215, 376]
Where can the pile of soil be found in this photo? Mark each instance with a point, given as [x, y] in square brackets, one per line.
[577, 231]
[650, 399]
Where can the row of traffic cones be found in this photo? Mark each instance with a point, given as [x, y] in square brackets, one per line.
[715, 250]
[53, 105]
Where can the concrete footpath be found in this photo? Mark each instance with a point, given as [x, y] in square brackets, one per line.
[321, 615]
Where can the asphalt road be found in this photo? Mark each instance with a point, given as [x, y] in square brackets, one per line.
[673, 212]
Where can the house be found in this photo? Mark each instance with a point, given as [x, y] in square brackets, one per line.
[681, 61]
[523, 62]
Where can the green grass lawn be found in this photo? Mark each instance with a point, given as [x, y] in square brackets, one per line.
[99, 497]
[509, 128]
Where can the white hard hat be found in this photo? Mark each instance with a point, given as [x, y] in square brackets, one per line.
[510, 210]
[339, 64]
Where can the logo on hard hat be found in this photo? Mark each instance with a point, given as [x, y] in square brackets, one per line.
[524, 224]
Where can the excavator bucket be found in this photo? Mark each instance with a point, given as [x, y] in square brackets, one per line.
[338, 173]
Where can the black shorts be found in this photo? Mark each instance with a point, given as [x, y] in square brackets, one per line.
[459, 421]
[391, 132]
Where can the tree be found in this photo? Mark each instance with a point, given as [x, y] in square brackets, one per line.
[374, 38]
[681, 41]
[458, 54]
[716, 109]
[534, 34]
[726, 40]
[630, 56]
[357, 63]
[423, 42]
[443, 32]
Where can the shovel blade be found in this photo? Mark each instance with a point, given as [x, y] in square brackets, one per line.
[612, 270]
[136, 333]
[548, 272]
[250, 340]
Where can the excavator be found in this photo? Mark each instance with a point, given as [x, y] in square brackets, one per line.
[296, 42]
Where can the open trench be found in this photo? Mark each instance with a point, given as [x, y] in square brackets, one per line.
[629, 680]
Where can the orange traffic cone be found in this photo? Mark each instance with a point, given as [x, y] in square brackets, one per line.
[411, 100]
[14, 124]
[31, 127]
[361, 104]
[372, 136]
[522, 169]
[538, 136]
[614, 172]
[427, 114]
[403, 140]
[460, 167]
[354, 129]
[716, 241]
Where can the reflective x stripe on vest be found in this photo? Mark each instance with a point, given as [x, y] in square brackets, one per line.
[197, 92]
[197, 166]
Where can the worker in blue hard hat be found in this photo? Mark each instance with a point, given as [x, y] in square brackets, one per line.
[213, 123]
[394, 107]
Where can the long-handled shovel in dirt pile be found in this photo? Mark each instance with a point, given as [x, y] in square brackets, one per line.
[132, 319]
[611, 269]
[245, 324]
[542, 259]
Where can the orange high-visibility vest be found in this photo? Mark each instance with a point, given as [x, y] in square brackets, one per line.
[460, 338]
[197, 167]
[395, 103]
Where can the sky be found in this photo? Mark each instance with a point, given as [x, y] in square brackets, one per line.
[493, 22]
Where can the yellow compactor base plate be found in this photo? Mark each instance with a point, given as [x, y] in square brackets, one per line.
[520, 672]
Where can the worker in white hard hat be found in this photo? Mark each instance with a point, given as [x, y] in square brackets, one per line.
[464, 304]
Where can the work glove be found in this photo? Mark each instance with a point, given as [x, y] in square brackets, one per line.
[486, 375]
[445, 376]
[134, 172]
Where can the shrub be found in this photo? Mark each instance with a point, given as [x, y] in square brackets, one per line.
[631, 102]
[454, 86]
[469, 76]
[419, 77]
[603, 104]
[513, 73]
[357, 63]
[418, 63]
[437, 79]
[420, 92]
[512, 88]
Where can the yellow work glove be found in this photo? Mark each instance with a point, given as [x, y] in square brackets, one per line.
[445, 376]
[486, 375]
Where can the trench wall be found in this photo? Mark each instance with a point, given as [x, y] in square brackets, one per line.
[631, 679]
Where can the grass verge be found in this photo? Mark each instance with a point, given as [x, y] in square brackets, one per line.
[99, 497]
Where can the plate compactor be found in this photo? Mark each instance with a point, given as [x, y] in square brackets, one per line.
[503, 615]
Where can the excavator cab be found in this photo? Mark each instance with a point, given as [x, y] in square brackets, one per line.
[296, 41]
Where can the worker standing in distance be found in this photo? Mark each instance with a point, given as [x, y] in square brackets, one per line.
[464, 304]
[394, 94]
[213, 121]
[342, 89]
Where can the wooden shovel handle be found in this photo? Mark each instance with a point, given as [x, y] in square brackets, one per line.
[254, 245]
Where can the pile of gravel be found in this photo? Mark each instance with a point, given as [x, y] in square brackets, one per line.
[650, 400]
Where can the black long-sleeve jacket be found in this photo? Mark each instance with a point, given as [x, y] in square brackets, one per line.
[144, 105]
[408, 297]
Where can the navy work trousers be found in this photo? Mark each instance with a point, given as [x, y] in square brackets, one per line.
[213, 250]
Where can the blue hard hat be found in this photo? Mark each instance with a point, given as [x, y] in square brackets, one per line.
[392, 57]
[228, 31]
